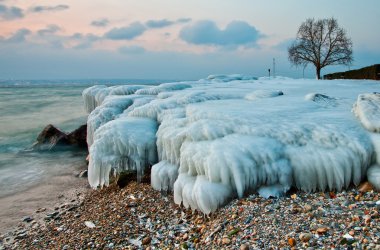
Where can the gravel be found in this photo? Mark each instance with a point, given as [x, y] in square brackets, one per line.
[137, 217]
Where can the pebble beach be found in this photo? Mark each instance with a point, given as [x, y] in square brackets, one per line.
[138, 217]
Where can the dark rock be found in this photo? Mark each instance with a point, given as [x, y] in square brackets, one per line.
[20, 236]
[78, 137]
[27, 219]
[49, 138]
[52, 138]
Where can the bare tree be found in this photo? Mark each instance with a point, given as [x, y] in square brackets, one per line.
[321, 43]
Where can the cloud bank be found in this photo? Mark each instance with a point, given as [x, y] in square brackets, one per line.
[154, 24]
[50, 29]
[126, 33]
[42, 8]
[100, 22]
[208, 33]
[10, 13]
[18, 37]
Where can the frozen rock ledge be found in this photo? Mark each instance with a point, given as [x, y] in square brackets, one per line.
[222, 137]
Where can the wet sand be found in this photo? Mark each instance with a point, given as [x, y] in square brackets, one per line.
[55, 190]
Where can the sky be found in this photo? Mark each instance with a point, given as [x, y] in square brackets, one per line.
[170, 39]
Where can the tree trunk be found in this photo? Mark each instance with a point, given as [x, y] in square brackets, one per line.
[318, 69]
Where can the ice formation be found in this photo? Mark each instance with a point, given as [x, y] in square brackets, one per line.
[321, 99]
[367, 109]
[222, 137]
[95, 95]
[374, 176]
[127, 143]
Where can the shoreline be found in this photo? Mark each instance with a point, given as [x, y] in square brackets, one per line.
[138, 217]
[52, 191]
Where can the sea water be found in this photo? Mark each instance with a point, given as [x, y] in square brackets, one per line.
[26, 107]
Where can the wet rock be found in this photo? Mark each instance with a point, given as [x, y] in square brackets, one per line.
[27, 219]
[78, 137]
[52, 138]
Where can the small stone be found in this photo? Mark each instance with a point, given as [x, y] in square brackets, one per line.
[226, 241]
[367, 219]
[348, 238]
[292, 242]
[42, 209]
[233, 231]
[185, 237]
[308, 208]
[111, 245]
[20, 236]
[365, 187]
[146, 240]
[322, 230]
[65, 247]
[244, 247]
[27, 219]
[89, 224]
[305, 237]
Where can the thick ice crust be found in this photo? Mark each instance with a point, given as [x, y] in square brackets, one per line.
[230, 136]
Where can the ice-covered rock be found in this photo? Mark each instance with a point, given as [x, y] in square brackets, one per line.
[226, 136]
[95, 95]
[321, 99]
[111, 108]
[155, 90]
[229, 78]
[373, 175]
[275, 191]
[163, 176]
[128, 143]
[367, 109]
[258, 94]
[89, 97]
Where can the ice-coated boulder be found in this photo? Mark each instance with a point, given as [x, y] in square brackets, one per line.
[367, 109]
[125, 144]
[230, 136]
